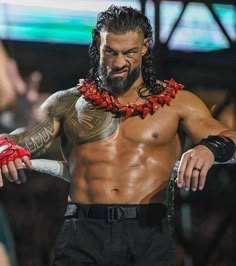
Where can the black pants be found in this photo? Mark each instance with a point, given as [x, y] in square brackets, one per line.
[115, 235]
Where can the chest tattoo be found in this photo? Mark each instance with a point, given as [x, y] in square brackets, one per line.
[86, 123]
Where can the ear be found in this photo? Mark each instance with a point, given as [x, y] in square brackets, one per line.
[146, 45]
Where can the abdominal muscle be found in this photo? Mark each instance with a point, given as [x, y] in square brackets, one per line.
[131, 176]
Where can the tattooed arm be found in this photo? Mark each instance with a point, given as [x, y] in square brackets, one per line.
[37, 140]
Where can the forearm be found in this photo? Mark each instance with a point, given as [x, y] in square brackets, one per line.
[230, 134]
[37, 141]
[222, 146]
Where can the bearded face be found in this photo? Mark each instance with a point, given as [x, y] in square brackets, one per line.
[117, 84]
[120, 61]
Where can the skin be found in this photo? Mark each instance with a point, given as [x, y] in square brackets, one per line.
[114, 160]
[4, 260]
[7, 91]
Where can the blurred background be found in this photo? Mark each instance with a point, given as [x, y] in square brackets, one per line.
[44, 48]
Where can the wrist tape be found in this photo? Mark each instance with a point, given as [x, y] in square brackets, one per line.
[221, 146]
[9, 151]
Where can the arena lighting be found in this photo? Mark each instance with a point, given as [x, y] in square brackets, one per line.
[81, 5]
[65, 21]
[197, 29]
[71, 22]
[201, 28]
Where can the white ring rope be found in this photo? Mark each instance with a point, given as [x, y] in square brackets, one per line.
[60, 169]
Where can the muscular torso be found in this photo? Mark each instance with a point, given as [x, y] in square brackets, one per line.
[117, 160]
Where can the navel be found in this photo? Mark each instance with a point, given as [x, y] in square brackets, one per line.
[155, 135]
[115, 190]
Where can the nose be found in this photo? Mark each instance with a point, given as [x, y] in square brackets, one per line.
[119, 61]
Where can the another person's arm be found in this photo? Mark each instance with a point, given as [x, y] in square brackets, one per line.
[4, 260]
[7, 91]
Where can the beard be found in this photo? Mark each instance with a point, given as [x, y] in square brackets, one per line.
[117, 85]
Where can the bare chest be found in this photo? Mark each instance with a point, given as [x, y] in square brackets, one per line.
[84, 123]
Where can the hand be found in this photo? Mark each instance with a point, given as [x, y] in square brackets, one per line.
[13, 170]
[12, 158]
[193, 168]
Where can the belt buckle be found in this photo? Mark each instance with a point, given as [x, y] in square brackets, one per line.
[71, 211]
[115, 214]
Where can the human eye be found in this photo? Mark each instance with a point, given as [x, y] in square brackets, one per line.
[108, 51]
[130, 53]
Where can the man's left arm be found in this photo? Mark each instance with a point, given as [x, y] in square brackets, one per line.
[213, 142]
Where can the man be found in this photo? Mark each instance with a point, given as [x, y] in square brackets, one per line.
[119, 132]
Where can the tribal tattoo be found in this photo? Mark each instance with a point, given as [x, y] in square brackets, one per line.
[87, 123]
[80, 122]
[37, 141]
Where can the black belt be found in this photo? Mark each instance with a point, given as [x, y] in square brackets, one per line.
[115, 213]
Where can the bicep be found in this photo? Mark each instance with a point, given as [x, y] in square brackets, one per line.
[197, 120]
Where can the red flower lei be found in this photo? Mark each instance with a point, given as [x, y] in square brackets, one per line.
[104, 100]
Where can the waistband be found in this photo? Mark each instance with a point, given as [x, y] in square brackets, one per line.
[117, 212]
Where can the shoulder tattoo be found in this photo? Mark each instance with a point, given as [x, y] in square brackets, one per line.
[87, 123]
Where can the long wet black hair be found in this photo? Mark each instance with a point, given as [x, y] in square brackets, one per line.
[122, 19]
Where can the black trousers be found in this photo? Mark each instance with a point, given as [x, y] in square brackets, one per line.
[128, 235]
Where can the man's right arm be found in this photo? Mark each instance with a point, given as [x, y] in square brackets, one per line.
[17, 147]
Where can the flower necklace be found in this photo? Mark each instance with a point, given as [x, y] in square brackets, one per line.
[105, 100]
